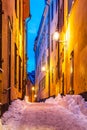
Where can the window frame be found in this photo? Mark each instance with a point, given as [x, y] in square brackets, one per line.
[42, 83]
[52, 10]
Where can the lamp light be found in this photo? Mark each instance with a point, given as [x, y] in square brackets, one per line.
[33, 88]
[56, 35]
[1, 70]
[43, 68]
[35, 96]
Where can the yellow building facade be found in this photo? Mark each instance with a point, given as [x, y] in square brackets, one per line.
[77, 44]
[12, 50]
[73, 33]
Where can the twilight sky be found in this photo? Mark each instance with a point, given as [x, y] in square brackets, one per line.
[36, 10]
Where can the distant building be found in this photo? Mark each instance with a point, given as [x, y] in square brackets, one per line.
[12, 50]
[46, 52]
[30, 87]
[31, 77]
[63, 61]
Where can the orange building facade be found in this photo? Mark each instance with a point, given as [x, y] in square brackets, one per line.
[72, 53]
[12, 50]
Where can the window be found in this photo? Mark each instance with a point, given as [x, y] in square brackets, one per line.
[48, 41]
[48, 61]
[15, 64]
[39, 68]
[9, 51]
[56, 5]
[16, 7]
[56, 73]
[19, 14]
[63, 83]
[58, 60]
[48, 45]
[51, 44]
[60, 66]
[72, 71]
[52, 11]
[52, 74]
[42, 83]
[20, 74]
[61, 14]
[44, 58]
[56, 44]
[69, 5]
[48, 30]
[47, 20]
[62, 54]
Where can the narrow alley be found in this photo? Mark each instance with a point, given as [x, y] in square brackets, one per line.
[67, 113]
[43, 64]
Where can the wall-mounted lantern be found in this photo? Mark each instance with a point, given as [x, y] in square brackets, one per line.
[56, 35]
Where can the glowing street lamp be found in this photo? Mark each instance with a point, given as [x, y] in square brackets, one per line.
[43, 69]
[33, 88]
[56, 36]
[35, 96]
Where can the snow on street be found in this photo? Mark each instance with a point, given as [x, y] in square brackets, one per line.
[67, 113]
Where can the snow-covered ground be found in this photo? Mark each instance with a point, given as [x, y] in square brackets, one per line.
[62, 113]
